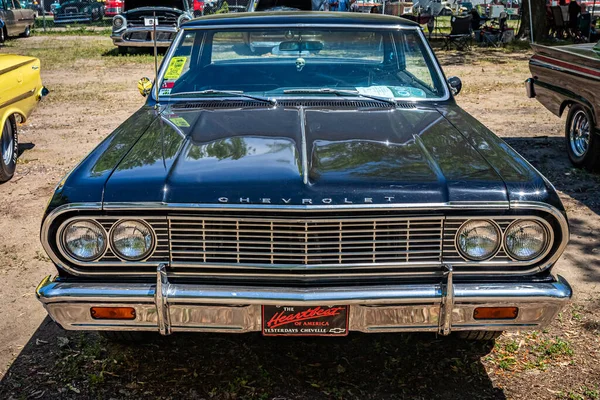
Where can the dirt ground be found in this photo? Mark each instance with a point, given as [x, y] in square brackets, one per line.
[93, 90]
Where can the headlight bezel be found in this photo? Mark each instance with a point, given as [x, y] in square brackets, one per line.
[492, 254]
[123, 257]
[65, 249]
[547, 239]
[120, 18]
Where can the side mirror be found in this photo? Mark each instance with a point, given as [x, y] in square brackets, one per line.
[145, 86]
[455, 85]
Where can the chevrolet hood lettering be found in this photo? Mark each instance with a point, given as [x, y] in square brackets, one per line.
[327, 200]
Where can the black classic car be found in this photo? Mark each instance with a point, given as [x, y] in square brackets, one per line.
[135, 26]
[332, 187]
[78, 11]
[565, 78]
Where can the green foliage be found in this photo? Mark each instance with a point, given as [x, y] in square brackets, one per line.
[224, 8]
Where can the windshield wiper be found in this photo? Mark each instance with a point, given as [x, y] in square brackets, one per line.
[238, 93]
[340, 92]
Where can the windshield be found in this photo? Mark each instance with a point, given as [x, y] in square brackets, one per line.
[277, 62]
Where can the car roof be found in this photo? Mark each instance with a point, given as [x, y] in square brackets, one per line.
[299, 18]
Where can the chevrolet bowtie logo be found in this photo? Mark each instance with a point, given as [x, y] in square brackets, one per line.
[337, 330]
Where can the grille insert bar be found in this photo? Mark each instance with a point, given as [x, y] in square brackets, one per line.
[297, 243]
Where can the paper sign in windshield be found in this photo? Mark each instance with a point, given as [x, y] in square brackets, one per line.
[175, 67]
[180, 122]
[381, 91]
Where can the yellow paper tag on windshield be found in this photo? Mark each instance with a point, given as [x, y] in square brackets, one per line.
[175, 67]
[180, 122]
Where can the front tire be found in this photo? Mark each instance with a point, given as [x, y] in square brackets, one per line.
[481, 336]
[583, 145]
[3, 35]
[9, 150]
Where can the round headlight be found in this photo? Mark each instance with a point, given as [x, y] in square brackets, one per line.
[478, 239]
[525, 240]
[132, 240]
[84, 240]
[118, 21]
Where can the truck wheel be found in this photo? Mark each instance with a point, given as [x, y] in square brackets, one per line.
[485, 336]
[9, 150]
[583, 145]
[27, 32]
[126, 336]
[3, 35]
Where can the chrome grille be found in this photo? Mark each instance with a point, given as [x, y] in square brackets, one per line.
[322, 243]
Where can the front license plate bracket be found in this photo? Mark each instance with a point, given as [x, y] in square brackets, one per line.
[305, 320]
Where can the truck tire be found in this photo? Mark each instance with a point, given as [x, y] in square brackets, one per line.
[9, 149]
[27, 32]
[583, 143]
[484, 336]
[126, 336]
[3, 34]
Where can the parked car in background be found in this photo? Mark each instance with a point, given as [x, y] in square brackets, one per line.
[113, 7]
[20, 90]
[264, 42]
[78, 11]
[565, 79]
[32, 5]
[15, 20]
[134, 27]
[332, 186]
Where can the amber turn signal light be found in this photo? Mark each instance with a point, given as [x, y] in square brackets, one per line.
[112, 312]
[496, 313]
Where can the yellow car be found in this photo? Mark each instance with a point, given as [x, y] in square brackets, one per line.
[20, 90]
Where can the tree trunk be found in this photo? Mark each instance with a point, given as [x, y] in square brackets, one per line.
[540, 26]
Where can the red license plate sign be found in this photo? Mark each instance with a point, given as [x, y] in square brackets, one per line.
[305, 320]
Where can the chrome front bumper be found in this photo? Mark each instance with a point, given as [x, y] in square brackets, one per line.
[126, 37]
[168, 308]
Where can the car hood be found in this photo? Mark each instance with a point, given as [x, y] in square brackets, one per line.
[296, 156]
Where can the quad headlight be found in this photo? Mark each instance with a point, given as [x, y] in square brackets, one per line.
[118, 21]
[525, 240]
[478, 240]
[132, 240]
[84, 240]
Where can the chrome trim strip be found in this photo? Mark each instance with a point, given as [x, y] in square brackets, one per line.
[554, 67]
[466, 292]
[499, 205]
[304, 145]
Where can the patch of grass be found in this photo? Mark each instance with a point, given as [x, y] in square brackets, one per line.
[554, 348]
[511, 346]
